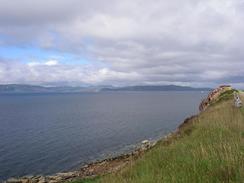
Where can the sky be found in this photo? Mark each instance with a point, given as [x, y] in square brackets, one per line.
[113, 42]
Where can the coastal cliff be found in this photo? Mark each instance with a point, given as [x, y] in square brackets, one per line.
[207, 147]
[213, 96]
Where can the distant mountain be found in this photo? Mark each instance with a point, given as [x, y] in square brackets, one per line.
[18, 88]
[156, 88]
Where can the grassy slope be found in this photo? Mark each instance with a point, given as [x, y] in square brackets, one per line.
[210, 149]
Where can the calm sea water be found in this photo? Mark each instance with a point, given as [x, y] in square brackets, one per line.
[49, 133]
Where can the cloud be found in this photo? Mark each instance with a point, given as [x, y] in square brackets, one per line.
[187, 42]
[52, 72]
[47, 63]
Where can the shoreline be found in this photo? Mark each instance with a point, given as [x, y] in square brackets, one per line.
[103, 166]
[116, 163]
[90, 170]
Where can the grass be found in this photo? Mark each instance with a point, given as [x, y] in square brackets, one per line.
[226, 95]
[209, 149]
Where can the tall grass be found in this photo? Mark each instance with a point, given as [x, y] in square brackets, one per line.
[209, 149]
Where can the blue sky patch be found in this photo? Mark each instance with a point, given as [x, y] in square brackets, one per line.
[33, 54]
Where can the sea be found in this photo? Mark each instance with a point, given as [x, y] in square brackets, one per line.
[43, 134]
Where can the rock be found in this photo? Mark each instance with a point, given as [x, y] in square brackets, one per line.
[91, 170]
[35, 179]
[21, 180]
[25, 180]
[42, 180]
[53, 181]
[145, 145]
[67, 175]
[145, 142]
[56, 178]
[213, 95]
[14, 180]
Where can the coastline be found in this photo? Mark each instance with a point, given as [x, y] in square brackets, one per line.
[104, 166]
[109, 165]
[93, 169]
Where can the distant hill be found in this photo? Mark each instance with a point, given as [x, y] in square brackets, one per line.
[156, 88]
[18, 88]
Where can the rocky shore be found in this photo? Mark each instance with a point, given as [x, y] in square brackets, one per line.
[90, 170]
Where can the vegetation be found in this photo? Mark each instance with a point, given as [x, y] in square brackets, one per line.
[226, 95]
[209, 148]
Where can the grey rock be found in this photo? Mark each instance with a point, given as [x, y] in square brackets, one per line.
[42, 180]
[13, 180]
[67, 175]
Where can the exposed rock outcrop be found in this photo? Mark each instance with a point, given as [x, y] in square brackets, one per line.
[213, 96]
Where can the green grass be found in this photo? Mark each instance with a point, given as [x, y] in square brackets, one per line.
[227, 95]
[209, 150]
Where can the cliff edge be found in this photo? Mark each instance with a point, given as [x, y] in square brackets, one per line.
[213, 96]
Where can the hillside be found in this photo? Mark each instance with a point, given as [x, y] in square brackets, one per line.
[206, 148]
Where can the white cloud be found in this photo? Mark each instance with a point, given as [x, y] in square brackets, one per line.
[47, 63]
[51, 62]
[139, 41]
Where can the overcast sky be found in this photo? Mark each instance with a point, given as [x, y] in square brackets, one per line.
[122, 42]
